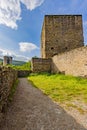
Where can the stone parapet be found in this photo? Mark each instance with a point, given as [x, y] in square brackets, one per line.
[7, 78]
[73, 62]
[41, 65]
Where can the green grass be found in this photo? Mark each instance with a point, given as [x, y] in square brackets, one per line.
[61, 88]
[26, 66]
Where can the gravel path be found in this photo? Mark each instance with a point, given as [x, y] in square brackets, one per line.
[32, 110]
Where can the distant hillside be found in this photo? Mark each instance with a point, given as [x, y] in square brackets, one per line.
[26, 66]
[14, 62]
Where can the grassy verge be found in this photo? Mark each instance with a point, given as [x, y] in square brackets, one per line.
[13, 89]
[61, 88]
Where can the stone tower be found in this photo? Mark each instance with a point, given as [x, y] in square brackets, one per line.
[61, 33]
[7, 60]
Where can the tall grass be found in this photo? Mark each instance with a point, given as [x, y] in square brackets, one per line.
[61, 88]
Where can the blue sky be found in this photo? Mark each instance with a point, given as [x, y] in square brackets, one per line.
[21, 22]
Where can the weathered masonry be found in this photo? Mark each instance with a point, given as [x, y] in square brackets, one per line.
[7, 60]
[62, 42]
[8, 77]
[73, 62]
[41, 65]
[61, 33]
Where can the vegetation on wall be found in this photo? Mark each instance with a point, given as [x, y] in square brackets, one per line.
[13, 90]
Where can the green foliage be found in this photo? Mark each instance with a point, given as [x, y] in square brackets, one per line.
[1, 63]
[61, 88]
[26, 66]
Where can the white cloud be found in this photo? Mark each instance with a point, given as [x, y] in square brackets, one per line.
[32, 4]
[24, 47]
[10, 10]
[4, 52]
[21, 58]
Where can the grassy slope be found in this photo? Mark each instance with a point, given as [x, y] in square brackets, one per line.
[26, 66]
[61, 88]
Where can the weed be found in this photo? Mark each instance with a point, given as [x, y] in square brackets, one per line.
[13, 89]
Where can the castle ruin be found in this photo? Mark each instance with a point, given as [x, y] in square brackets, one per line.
[7, 60]
[61, 33]
[62, 46]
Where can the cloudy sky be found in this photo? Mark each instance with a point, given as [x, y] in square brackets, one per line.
[21, 23]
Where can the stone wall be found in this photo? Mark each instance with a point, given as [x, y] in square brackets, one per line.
[7, 78]
[43, 41]
[41, 65]
[23, 73]
[73, 62]
[61, 33]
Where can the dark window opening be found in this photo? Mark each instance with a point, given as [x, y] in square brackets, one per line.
[8, 61]
[52, 48]
[66, 48]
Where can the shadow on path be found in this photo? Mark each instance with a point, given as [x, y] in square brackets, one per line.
[32, 110]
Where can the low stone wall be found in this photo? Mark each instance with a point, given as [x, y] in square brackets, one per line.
[7, 78]
[73, 62]
[41, 65]
[23, 73]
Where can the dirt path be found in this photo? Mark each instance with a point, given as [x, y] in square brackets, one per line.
[32, 110]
